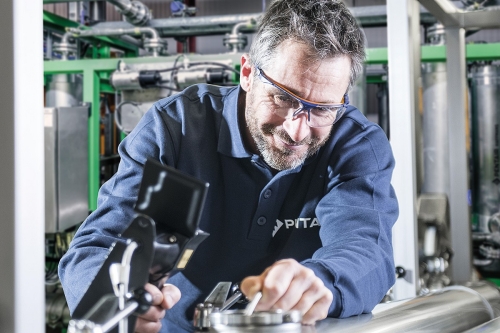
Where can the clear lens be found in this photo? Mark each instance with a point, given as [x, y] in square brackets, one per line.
[289, 107]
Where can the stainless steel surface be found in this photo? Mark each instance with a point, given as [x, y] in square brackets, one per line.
[66, 170]
[435, 129]
[215, 301]
[449, 15]
[492, 326]
[134, 11]
[451, 310]
[485, 93]
[64, 90]
[460, 226]
[191, 26]
[232, 300]
[154, 44]
[260, 321]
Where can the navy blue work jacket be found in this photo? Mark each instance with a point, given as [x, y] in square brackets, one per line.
[334, 213]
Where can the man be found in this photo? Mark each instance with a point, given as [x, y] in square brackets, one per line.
[300, 204]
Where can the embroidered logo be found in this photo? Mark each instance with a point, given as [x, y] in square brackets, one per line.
[299, 223]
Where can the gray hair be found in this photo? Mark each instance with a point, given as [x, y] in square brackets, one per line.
[326, 26]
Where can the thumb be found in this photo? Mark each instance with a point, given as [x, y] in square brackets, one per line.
[155, 293]
[251, 286]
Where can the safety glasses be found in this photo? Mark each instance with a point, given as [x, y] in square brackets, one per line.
[289, 106]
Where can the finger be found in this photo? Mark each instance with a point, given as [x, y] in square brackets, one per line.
[145, 326]
[277, 282]
[304, 283]
[155, 293]
[253, 284]
[319, 310]
[171, 295]
[154, 314]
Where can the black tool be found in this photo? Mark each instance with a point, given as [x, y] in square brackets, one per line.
[165, 228]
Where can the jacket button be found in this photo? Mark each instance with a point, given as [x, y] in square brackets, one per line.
[261, 220]
[268, 194]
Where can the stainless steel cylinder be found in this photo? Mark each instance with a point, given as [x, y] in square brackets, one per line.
[485, 102]
[453, 309]
[492, 326]
[64, 90]
[435, 129]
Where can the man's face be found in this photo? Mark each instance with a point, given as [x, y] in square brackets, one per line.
[286, 143]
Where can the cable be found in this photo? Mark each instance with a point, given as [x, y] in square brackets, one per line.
[216, 64]
[168, 87]
[487, 304]
[118, 114]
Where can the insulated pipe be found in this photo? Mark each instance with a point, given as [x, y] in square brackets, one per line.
[368, 16]
[114, 32]
[155, 44]
[135, 12]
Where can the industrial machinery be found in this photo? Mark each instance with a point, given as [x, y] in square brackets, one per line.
[485, 93]
[101, 77]
[432, 208]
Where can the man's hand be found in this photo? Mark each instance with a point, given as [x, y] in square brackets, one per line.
[150, 322]
[288, 285]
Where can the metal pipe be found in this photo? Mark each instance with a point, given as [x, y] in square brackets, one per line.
[452, 309]
[491, 326]
[154, 44]
[135, 12]
[369, 16]
[236, 41]
[75, 32]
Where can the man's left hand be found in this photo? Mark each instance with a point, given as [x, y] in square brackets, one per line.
[288, 285]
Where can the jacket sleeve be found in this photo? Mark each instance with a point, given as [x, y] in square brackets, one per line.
[114, 212]
[356, 216]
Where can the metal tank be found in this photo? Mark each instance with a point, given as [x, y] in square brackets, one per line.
[433, 217]
[452, 309]
[485, 101]
[435, 128]
[485, 179]
[64, 90]
[66, 153]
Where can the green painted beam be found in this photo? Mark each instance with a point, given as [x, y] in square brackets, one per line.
[60, 24]
[474, 52]
[91, 94]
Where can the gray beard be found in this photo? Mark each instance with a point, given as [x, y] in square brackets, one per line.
[279, 159]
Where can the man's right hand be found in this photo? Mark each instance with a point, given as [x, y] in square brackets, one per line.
[164, 299]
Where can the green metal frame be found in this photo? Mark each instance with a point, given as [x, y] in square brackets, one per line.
[474, 52]
[95, 81]
[96, 73]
